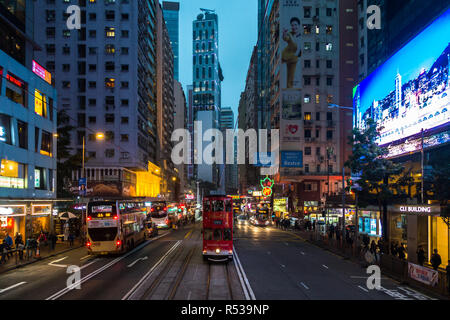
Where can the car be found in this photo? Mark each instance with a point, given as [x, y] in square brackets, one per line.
[242, 220]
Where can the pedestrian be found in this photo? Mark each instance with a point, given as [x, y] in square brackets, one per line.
[420, 256]
[401, 252]
[9, 244]
[373, 247]
[314, 225]
[53, 239]
[435, 260]
[3, 251]
[71, 239]
[18, 241]
[448, 276]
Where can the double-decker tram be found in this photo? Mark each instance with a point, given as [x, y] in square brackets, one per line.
[115, 226]
[218, 228]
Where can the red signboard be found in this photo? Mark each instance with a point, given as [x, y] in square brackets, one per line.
[41, 72]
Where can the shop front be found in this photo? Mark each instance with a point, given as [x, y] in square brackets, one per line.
[280, 207]
[41, 219]
[12, 220]
[370, 224]
[420, 226]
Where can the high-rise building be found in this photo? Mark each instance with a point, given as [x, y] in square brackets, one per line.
[171, 11]
[190, 128]
[306, 57]
[28, 125]
[106, 78]
[180, 122]
[230, 170]
[165, 106]
[207, 78]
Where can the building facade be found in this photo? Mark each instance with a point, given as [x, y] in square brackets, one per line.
[207, 78]
[106, 76]
[305, 61]
[171, 11]
[180, 122]
[28, 126]
[227, 123]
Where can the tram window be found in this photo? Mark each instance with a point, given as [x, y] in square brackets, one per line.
[206, 206]
[217, 206]
[227, 205]
[208, 234]
[217, 234]
[227, 234]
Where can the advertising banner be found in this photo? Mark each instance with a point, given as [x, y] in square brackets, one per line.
[291, 117]
[290, 44]
[280, 205]
[410, 92]
[422, 274]
[292, 159]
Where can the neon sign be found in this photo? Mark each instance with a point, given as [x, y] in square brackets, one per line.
[17, 82]
[41, 72]
[267, 185]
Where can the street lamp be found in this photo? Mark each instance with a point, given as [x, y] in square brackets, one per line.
[335, 106]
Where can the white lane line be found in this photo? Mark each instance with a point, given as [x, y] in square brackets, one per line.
[87, 265]
[357, 277]
[140, 259]
[304, 286]
[364, 289]
[249, 295]
[325, 266]
[58, 265]
[189, 295]
[302, 253]
[12, 287]
[81, 259]
[150, 272]
[94, 273]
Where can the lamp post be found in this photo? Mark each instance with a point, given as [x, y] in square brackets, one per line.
[335, 106]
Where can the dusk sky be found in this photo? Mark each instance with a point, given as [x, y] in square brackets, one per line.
[237, 36]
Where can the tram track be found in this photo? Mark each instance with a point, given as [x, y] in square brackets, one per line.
[227, 277]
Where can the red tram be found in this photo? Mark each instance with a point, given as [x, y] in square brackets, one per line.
[218, 228]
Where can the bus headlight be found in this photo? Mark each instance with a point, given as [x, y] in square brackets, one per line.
[217, 250]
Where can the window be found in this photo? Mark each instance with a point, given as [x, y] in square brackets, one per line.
[110, 49]
[307, 63]
[66, 50]
[5, 129]
[329, 135]
[92, 84]
[329, 46]
[317, 98]
[307, 134]
[125, 33]
[307, 151]
[92, 67]
[92, 33]
[329, 64]
[46, 143]
[66, 67]
[329, 81]
[307, 80]
[329, 29]
[329, 12]
[109, 66]
[124, 84]
[307, 46]
[109, 118]
[307, 28]
[124, 138]
[16, 89]
[39, 178]
[318, 151]
[110, 82]
[308, 116]
[92, 119]
[317, 116]
[66, 84]
[307, 98]
[318, 81]
[23, 134]
[124, 67]
[329, 116]
[306, 168]
[109, 153]
[307, 12]
[110, 32]
[317, 133]
[40, 104]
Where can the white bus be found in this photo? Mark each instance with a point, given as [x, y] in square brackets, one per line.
[115, 226]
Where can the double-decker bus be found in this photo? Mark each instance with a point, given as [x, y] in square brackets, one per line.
[115, 226]
[218, 228]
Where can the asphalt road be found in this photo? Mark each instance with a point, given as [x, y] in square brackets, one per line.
[273, 265]
[281, 266]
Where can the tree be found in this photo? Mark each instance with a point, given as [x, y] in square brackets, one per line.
[377, 173]
[66, 162]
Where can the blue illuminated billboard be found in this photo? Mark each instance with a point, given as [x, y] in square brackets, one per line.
[410, 92]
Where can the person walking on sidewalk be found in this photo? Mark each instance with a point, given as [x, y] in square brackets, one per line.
[435, 260]
[19, 245]
[52, 238]
[420, 256]
[71, 239]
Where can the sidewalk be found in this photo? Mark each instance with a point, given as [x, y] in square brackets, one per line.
[391, 266]
[14, 262]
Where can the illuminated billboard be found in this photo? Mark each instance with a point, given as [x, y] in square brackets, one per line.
[410, 92]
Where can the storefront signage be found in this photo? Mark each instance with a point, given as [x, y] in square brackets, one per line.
[13, 210]
[257, 193]
[422, 274]
[280, 205]
[41, 72]
[190, 197]
[42, 209]
[17, 82]
[6, 211]
[418, 209]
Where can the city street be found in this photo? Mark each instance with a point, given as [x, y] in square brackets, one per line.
[278, 264]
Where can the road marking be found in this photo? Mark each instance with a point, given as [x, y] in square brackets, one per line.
[325, 266]
[302, 253]
[415, 294]
[187, 234]
[85, 257]
[140, 259]
[304, 285]
[357, 277]
[150, 272]
[189, 295]
[364, 289]
[101, 269]
[283, 266]
[12, 287]
[58, 265]
[248, 292]
[87, 265]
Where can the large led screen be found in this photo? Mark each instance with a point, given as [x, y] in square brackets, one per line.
[410, 92]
